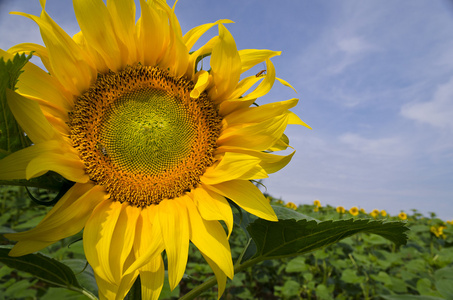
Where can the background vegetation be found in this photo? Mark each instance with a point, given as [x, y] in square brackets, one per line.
[364, 266]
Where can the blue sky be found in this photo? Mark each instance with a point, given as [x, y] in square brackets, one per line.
[374, 79]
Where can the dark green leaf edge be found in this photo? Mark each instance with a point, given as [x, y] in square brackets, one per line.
[43, 267]
[322, 234]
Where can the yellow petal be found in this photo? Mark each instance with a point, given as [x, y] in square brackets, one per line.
[259, 113]
[206, 49]
[66, 218]
[285, 83]
[152, 278]
[69, 64]
[153, 33]
[124, 236]
[67, 166]
[213, 206]
[201, 82]
[123, 16]
[266, 85]
[176, 56]
[97, 238]
[281, 144]
[37, 50]
[149, 242]
[246, 195]
[30, 117]
[125, 285]
[244, 85]
[271, 163]
[219, 274]
[99, 31]
[294, 119]
[174, 224]
[252, 57]
[262, 89]
[210, 238]
[234, 166]
[106, 289]
[192, 36]
[260, 136]
[14, 165]
[225, 66]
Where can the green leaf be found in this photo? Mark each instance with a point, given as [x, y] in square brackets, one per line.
[296, 265]
[84, 273]
[444, 278]
[12, 137]
[43, 267]
[291, 288]
[350, 276]
[290, 237]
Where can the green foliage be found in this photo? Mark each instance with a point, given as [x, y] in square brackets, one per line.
[12, 137]
[61, 272]
[42, 267]
[362, 264]
[291, 237]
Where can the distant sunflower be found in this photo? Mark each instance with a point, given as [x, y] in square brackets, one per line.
[340, 210]
[374, 213]
[402, 216]
[153, 144]
[291, 205]
[354, 211]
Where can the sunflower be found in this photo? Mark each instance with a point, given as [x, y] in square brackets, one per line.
[340, 210]
[402, 216]
[354, 211]
[291, 205]
[374, 213]
[154, 144]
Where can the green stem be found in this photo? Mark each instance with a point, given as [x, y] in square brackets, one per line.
[89, 295]
[212, 281]
[48, 181]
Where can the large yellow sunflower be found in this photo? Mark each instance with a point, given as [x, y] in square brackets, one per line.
[153, 145]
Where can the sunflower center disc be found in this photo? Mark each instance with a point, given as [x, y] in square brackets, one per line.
[142, 137]
[147, 131]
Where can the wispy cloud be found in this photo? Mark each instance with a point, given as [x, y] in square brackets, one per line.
[438, 111]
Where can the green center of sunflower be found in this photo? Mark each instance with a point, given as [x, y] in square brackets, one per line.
[147, 131]
[142, 136]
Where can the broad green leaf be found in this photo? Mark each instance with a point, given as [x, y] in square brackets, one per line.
[290, 237]
[83, 272]
[12, 137]
[444, 279]
[62, 294]
[43, 267]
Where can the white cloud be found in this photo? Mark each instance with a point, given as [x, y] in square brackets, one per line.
[437, 112]
[374, 147]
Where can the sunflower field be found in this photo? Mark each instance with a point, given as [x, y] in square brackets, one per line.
[362, 266]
